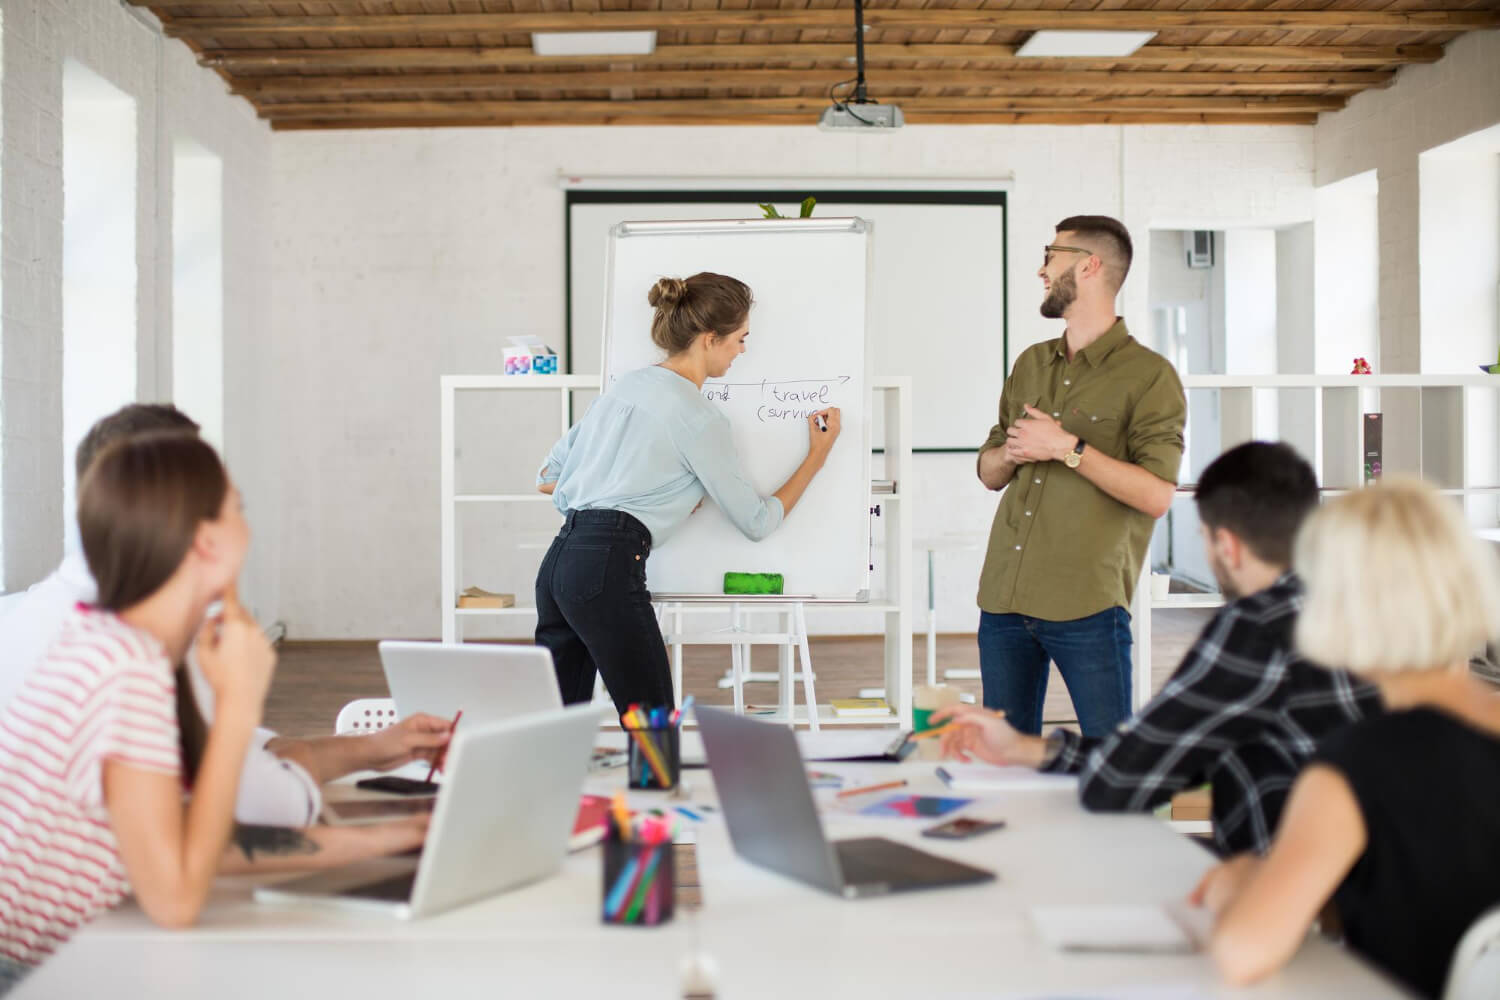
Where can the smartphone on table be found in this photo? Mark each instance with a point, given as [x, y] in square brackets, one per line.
[398, 785]
[963, 827]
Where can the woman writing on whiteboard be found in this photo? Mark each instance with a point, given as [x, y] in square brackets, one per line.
[630, 473]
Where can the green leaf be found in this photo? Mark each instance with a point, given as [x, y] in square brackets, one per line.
[769, 210]
[807, 206]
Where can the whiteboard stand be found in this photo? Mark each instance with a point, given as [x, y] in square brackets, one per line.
[894, 606]
[934, 545]
[783, 665]
[791, 639]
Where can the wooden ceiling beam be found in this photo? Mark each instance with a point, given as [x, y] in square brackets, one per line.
[472, 57]
[723, 106]
[924, 118]
[359, 23]
[283, 87]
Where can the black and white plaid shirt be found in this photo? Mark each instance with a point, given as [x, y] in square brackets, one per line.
[1242, 711]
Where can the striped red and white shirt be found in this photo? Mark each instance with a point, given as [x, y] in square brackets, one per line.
[104, 691]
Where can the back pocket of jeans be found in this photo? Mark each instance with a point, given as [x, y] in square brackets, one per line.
[580, 572]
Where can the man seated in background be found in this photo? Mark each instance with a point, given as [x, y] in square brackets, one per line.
[1242, 711]
[282, 778]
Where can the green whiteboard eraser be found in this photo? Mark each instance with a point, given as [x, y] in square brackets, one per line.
[753, 583]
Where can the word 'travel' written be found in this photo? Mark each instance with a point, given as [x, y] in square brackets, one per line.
[788, 399]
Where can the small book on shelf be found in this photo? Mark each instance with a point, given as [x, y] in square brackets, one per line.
[849, 708]
[1372, 446]
[478, 597]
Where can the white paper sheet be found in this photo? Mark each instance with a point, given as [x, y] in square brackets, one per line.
[1135, 928]
[989, 778]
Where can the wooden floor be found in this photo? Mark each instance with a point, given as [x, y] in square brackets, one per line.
[314, 679]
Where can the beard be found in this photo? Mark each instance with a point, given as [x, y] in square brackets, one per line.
[1064, 290]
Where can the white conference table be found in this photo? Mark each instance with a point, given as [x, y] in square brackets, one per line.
[766, 934]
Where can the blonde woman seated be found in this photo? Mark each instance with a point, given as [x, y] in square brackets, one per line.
[1396, 817]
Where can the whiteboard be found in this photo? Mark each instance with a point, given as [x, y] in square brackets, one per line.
[806, 350]
[937, 294]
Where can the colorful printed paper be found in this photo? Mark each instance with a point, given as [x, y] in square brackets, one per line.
[915, 806]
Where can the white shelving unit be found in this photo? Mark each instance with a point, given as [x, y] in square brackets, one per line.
[895, 522]
[1439, 449]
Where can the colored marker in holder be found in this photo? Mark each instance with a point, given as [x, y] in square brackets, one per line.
[655, 751]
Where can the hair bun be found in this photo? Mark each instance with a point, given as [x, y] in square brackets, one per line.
[667, 292]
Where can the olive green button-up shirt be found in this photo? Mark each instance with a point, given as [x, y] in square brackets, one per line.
[1060, 547]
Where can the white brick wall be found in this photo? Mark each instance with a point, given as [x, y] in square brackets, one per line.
[360, 266]
[174, 97]
[400, 256]
[1387, 130]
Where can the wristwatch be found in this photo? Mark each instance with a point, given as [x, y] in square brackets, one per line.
[1072, 458]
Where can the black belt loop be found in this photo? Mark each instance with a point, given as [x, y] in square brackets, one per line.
[618, 520]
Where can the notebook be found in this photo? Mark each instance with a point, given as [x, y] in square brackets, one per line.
[1135, 928]
[851, 708]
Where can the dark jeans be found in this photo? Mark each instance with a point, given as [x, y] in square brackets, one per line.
[1092, 654]
[594, 611]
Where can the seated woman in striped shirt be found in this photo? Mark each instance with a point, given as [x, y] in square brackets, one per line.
[92, 764]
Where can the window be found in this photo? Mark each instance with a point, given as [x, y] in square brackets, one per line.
[198, 287]
[2, 313]
[99, 271]
[1346, 274]
[1459, 240]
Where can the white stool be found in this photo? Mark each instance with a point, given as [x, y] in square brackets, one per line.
[792, 642]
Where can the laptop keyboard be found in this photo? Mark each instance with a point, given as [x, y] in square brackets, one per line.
[396, 889]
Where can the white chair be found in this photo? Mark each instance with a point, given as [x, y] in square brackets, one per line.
[1475, 972]
[365, 715]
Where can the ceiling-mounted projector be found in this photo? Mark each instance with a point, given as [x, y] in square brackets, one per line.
[867, 117]
[857, 113]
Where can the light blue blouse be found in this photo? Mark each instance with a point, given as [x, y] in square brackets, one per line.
[652, 446]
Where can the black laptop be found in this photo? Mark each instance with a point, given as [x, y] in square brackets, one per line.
[773, 821]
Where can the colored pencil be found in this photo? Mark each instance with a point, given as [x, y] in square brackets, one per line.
[658, 766]
[928, 734]
[645, 886]
[871, 788]
[621, 888]
[442, 754]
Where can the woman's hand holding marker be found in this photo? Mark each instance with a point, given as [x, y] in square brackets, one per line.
[823, 429]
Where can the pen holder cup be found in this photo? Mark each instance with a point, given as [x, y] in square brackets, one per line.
[927, 699]
[655, 758]
[640, 882]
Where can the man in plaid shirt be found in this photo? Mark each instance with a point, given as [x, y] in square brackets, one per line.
[1242, 711]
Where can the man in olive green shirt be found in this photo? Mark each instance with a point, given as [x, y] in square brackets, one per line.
[1088, 444]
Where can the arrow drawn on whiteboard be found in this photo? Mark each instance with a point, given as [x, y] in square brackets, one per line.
[841, 379]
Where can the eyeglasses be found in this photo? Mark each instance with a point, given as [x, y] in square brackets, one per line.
[1048, 251]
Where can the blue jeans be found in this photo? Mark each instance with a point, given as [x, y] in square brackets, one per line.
[1092, 654]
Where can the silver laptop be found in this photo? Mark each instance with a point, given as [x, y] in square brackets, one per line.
[487, 681]
[773, 821]
[502, 820]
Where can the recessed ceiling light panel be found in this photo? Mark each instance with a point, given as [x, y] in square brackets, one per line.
[593, 43]
[1083, 44]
